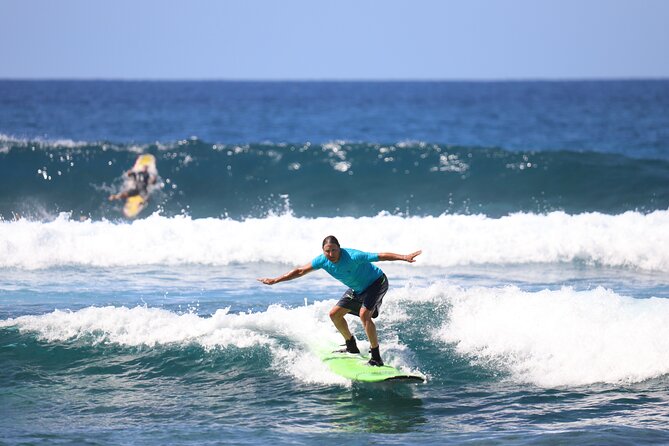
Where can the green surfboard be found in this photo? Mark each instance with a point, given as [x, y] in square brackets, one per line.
[355, 367]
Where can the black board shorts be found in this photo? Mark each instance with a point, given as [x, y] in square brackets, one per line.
[371, 298]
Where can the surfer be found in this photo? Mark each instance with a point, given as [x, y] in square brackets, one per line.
[138, 184]
[367, 286]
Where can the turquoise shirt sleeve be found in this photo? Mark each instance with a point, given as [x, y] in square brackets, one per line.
[318, 262]
[361, 256]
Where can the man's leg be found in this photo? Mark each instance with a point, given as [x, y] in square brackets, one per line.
[369, 326]
[370, 330]
[337, 314]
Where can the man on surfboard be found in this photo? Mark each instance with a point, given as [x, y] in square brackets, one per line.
[138, 184]
[367, 286]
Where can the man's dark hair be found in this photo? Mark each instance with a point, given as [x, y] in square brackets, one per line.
[330, 239]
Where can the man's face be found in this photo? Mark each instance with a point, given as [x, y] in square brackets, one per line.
[331, 252]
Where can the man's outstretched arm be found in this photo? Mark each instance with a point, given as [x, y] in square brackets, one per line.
[405, 257]
[290, 275]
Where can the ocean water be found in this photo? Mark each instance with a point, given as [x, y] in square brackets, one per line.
[538, 311]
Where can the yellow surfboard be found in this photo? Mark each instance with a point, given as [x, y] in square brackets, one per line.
[145, 160]
[135, 204]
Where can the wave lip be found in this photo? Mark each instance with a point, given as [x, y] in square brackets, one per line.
[139, 326]
[413, 178]
[562, 337]
[548, 338]
[630, 240]
[296, 349]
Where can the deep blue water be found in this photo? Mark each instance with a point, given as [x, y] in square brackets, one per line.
[628, 117]
[538, 311]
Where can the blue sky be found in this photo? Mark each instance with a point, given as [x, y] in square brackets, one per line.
[344, 39]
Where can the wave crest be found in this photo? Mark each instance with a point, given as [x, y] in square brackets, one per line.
[630, 240]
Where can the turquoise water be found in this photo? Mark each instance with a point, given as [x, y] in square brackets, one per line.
[201, 179]
[538, 311]
[204, 354]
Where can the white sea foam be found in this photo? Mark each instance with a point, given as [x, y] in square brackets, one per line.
[548, 338]
[561, 337]
[7, 141]
[632, 240]
[308, 329]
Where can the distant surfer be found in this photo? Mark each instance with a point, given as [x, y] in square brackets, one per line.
[138, 184]
[367, 286]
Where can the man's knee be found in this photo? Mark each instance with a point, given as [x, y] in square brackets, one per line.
[365, 315]
[337, 312]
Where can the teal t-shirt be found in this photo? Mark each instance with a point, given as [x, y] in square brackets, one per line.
[354, 268]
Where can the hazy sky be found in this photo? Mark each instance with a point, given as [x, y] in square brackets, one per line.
[343, 39]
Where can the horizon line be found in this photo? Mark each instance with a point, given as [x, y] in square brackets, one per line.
[333, 80]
